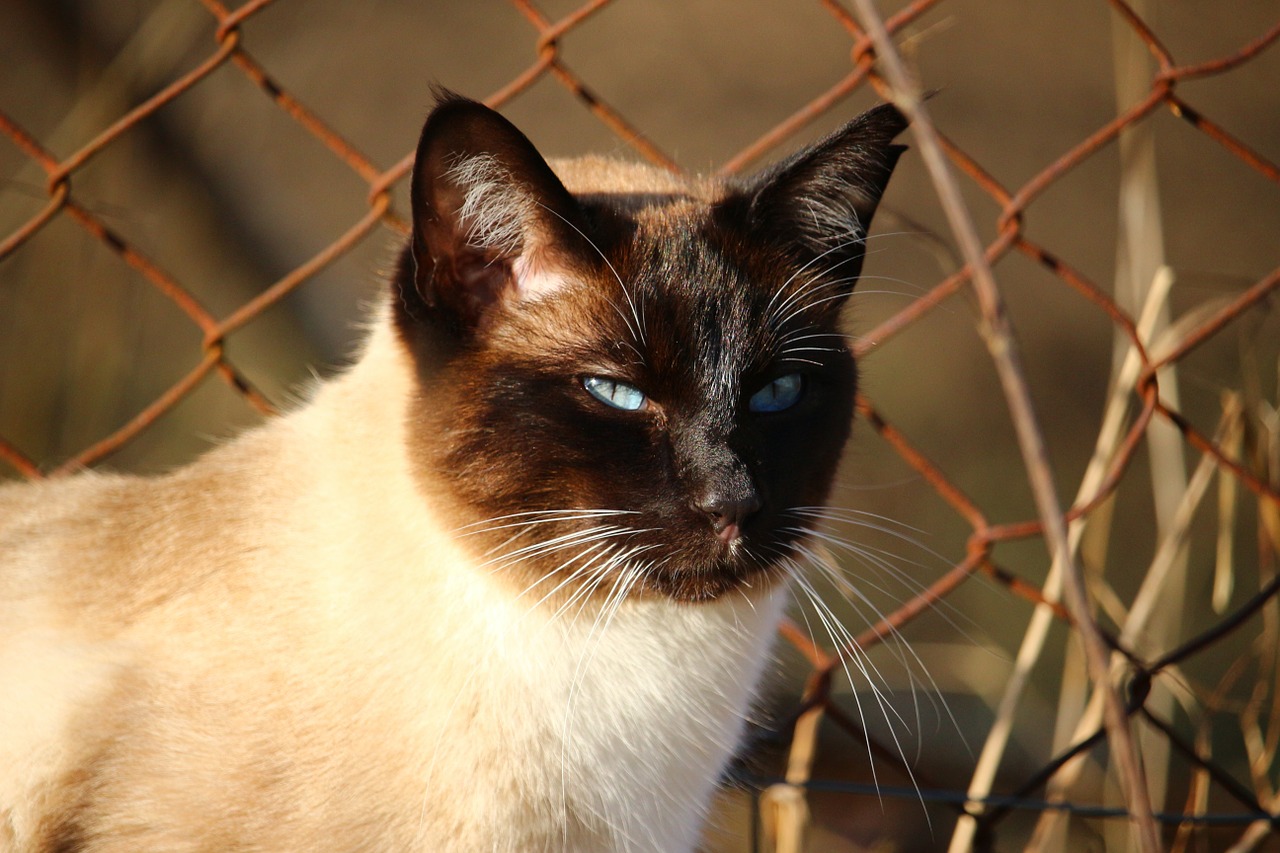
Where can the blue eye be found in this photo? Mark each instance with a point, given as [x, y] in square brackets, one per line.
[782, 393]
[613, 393]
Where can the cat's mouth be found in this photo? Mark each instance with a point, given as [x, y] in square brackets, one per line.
[711, 583]
[729, 534]
[614, 554]
[733, 561]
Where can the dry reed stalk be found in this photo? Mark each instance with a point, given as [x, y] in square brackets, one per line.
[997, 333]
[1139, 253]
[1147, 605]
[1110, 434]
[1224, 573]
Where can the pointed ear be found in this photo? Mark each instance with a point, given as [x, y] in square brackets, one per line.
[488, 213]
[821, 200]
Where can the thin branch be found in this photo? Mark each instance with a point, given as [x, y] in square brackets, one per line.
[998, 336]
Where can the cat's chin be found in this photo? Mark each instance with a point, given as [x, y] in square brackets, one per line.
[716, 580]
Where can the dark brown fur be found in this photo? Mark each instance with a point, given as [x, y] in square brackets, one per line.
[503, 422]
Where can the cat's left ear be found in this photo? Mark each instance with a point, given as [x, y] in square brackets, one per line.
[489, 215]
[820, 201]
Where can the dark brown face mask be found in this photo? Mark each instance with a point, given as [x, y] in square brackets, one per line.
[632, 383]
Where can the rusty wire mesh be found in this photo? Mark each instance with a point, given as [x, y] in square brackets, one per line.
[1210, 802]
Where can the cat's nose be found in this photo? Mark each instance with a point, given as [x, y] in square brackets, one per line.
[728, 512]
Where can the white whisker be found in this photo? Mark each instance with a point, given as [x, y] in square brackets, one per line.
[855, 597]
[557, 543]
[537, 517]
[639, 330]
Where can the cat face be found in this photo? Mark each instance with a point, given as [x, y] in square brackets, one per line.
[631, 393]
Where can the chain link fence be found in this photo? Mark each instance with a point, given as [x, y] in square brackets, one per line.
[971, 711]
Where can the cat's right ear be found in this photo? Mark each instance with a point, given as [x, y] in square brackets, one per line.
[820, 201]
[488, 216]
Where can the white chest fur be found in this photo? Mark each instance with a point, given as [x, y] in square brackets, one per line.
[615, 728]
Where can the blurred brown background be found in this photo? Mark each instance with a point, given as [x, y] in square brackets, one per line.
[226, 193]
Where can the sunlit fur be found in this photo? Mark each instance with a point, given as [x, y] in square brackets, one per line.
[454, 603]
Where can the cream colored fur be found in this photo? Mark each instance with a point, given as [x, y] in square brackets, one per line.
[282, 648]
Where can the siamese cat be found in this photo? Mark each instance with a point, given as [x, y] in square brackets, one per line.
[507, 584]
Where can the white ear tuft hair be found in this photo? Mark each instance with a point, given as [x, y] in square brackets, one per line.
[494, 211]
[491, 220]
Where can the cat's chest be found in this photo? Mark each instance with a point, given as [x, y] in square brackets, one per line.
[623, 721]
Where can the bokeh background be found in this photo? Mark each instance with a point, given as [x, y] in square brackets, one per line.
[227, 190]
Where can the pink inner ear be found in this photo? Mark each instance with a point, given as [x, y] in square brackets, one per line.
[535, 279]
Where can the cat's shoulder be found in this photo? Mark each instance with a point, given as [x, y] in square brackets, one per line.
[117, 543]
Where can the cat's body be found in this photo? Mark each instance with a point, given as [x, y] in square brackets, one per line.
[423, 612]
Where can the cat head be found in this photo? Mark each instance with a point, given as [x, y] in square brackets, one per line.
[631, 383]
